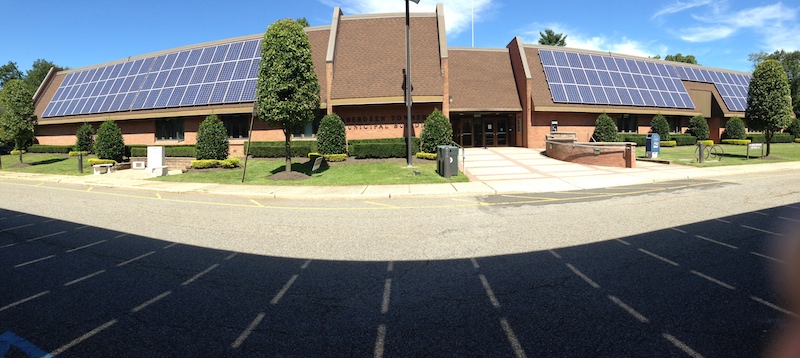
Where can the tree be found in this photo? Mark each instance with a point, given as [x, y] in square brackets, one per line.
[660, 125]
[551, 38]
[287, 88]
[436, 131]
[212, 139]
[37, 73]
[84, 138]
[331, 135]
[681, 58]
[794, 128]
[605, 130]
[791, 64]
[17, 120]
[303, 22]
[9, 72]
[109, 143]
[734, 129]
[769, 100]
[698, 127]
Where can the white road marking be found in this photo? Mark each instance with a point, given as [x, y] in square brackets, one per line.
[624, 242]
[761, 230]
[788, 219]
[773, 306]
[678, 230]
[387, 291]
[34, 261]
[380, 341]
[246, 333]
[16, 227]
[195, 277]
[47, 221]
[512, 338]
[760, 213]
[120, 235]
[474, 263]
[81, 227]
[724, 221]
[8, 245]
[390, 266]
[489, 291]
[40, 294]
[584, 277]
[135, 258]
[83, 337]
[305, 265]
[283, 290]
[231, 256]
[151, 301]
[86, 246]
[718, 282]
[554, 254]
[767, 257]
[46, 236]
[673, 263]
[84, 278]
[716, 242]
[677, 343]
[170, 245]
[629, 309]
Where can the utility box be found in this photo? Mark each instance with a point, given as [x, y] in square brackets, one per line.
[447, 160]
[155, 157]
[652, 145]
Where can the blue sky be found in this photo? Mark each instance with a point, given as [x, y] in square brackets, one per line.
[720, 33]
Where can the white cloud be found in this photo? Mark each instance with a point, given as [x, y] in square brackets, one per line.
[458, 13]
[706, 34]
[575, 39]
[679, 6]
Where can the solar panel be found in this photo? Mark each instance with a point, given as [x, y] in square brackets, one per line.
[175, 98]
[190, 95]
[234, 92]
[249, 92]
[181, 60]
[218, 93]
[234, 51]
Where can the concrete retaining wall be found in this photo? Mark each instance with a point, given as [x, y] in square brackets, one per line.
[621, 155]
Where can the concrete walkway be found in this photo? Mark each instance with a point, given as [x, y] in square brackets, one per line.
[492, 171]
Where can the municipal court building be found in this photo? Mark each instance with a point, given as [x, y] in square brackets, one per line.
[493, 96]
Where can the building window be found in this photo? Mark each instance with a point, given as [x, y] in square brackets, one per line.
[237, 126]
[674, 124]
[627, 124]
[169, 129]
[308, 130]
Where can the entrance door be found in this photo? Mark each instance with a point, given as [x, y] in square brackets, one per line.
[477, 126]
[484, 131]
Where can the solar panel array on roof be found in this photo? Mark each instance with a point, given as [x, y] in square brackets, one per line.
[594, 79]
[217, 74]
[732, 86]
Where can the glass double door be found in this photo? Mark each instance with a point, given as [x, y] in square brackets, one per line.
[484, 132]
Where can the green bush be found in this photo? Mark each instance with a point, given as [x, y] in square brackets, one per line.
[698, 127]
[232, 162]
[335, 157]
[426, 156]
[331, 135]
[683, 139]
[776, 138]
[736, 141]
[277, 149]
[182, 151]
[660, 125]
[39, 148]
[75, 153]
[794, 128]
[205, 163]
[109, 143]
[605, 130]
[382, 148]
[706, 143]
[212, 139]
[436, 131]
[639, 139]
[797, 140]
[16, 152]
[734, 129]
[669, 143]
[84, 138]
[95, 161]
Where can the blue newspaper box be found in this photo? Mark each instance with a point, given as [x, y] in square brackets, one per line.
[652, 145]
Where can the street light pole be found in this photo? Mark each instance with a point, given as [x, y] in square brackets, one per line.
[409, 124]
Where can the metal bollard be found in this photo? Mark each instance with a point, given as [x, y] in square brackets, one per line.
[702, 158]
[80, 162]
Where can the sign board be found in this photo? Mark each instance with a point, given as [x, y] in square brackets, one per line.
[755, 147]
[317, 164]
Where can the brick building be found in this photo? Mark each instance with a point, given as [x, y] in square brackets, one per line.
[494, 97]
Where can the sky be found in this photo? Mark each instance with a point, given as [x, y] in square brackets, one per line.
[719, 33]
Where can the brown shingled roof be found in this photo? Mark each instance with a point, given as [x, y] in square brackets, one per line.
[371, 54]
[482, 80]
[318, 37]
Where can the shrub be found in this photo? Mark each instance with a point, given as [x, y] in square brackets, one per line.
[38, 148]
[736, 141]
[683, 139]
[212, 139]
[604, 129]
[277, 149]
[331, 137]
[794, 128]
[75, 153]
[660, 125]
[639, 139]
[436, 131]
[169, 151]
[17, 152]
[698, 127]
[797, 140]
[706, 143]
[734, 129]
[84, 138]
[776, 138]
[230, 163]
[669, 143]
[95, 161]
[109, 144]
[335, 157]
[382, 148]
[426, 156]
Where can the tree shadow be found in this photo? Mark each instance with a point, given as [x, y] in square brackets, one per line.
[47, 161]
[305, 168]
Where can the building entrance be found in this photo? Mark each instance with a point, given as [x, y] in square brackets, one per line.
[484, 130]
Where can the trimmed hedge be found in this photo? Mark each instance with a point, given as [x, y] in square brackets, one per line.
[214, 163]
[776, 138]
[75, 153]
[95, 161]
[16, 152]
[797, 140]
[669, 143]
[639, 139]
[335, 157]
[381, 148]
[426, 156]
[707, 143]
[169, 151]
[277, 149]
[40, 148]
[736, 141]
[684, 139]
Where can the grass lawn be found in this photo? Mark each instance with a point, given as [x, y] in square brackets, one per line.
[733, 155]
[45, 163]
[349, 172]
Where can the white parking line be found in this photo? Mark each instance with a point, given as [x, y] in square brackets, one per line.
[716, 242]
[390, 266]
[305, 265]
[84, 278]
[8, 245]
[387, 291]
[86, 246]
[554, 254]
[170, 245]
[195, 277]
[40, 294]
[474, 263]
[512, 338]
[489, 291]
[761, 230]
[678, 230]
[16, 227]
[724, 221]
[629, 309]
[673, 263]
[120, 235]
[34, 261]
[135, 258]
[380, 341]
[677, 343]
[623, 241]
[231, 256]
[773, 306]
[283, 290]
[584, 277]
[46, 236]
[151, 301]
[788, 219]
[760, 213]
[718, 282]
[84, 337]
[767, 257]
[246, 333]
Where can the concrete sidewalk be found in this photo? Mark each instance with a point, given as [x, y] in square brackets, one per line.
[507, 170]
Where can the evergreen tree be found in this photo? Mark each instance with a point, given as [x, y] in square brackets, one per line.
[550, 38]
[84, 138]
[734, 129]
[109, 143]
[437, 131]
[660, 125]
[17, 120]
[605, 130]
[769, 101]
[698, 127]
[212, 139]
[331, 135]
